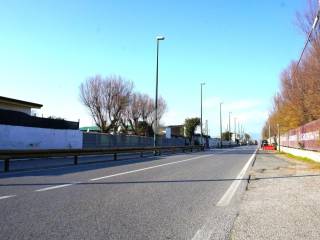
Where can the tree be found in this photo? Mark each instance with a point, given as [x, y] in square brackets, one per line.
[247, 137]
[298, 99]
[190, 126]
[115, 107]
[226, 136]
[106, 99]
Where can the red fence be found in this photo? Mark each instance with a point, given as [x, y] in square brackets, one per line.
[305, 137]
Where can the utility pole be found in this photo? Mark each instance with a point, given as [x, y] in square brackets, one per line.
[278, 126]
[220, 126]
[229, 129]
[235, 129]
[159, 38]
[239, 131]
[201, 84]
[207, 128]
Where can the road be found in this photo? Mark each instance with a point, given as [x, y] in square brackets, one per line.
[184, 196]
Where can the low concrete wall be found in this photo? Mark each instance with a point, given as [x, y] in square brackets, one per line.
[302, 153]
[19, 137]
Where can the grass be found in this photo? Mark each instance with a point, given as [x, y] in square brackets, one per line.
[302, 159]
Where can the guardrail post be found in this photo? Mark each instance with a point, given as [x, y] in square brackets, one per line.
[75, 160]
[191, 149]
[141, 154]
[115, 156]
[6, 165]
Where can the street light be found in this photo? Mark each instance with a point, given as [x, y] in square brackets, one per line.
[229, 129]
[159, 38]
[220, 126]
[201, 84]
[235, 129]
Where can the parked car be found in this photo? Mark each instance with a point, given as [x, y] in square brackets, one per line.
[264, 143]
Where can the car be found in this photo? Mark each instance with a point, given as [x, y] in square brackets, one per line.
[264, 143]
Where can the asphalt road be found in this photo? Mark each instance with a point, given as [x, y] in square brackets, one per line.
[185, 196]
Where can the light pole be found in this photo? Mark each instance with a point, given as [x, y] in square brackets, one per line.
[278, 126]
[229, 129]
[235, 129]
[220, 127]
[159, 38]
[201, 84]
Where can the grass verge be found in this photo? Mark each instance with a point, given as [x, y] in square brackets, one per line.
[302, 159]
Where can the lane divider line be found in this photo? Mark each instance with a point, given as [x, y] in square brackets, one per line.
[227, 196]
[147, 168]
[5, 197]
[54, 187]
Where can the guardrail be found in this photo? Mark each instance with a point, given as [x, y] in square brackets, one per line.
[7, 155]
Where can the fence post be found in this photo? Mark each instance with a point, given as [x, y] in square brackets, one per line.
[75, 160]
[115, 156]
[6, 165]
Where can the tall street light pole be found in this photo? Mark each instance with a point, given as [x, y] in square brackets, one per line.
[201, 84]
[220, 127]
[229, 129]
[235, 129]
[159, 38]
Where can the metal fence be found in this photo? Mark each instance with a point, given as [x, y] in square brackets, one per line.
[305, 137]
[101, 140]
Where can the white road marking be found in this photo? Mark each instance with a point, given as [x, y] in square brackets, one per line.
[203, 233]
[54, 187]
[5, 197]
[226, 198]
[147, 168]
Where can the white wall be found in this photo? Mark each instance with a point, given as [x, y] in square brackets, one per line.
[302, 153]
[18, 137]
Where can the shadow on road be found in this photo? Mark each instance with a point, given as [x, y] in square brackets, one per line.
[94, 163]
[157, 182]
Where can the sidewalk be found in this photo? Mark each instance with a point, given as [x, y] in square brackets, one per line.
[282, 200]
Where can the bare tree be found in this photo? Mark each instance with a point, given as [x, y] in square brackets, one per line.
[106, 99]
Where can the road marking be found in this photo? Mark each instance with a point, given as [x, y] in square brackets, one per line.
[5, 197]
[226, 198]
[204, 233]
[147, 168]
[54, 187]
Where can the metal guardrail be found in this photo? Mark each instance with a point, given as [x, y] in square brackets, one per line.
[7, 155]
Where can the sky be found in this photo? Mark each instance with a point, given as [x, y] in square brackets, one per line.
[238, 48]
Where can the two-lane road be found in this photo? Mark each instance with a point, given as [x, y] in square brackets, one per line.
[185, 196]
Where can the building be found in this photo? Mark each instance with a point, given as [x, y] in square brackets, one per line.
[20, 130]
[175, 131]
[18, 105]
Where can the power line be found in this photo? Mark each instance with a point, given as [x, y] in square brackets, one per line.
[314, 25]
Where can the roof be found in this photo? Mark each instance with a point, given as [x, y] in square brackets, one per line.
[90, 128]
[19, 102]
[171, 126]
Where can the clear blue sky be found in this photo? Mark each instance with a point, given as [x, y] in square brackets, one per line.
[238, 48]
